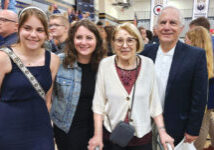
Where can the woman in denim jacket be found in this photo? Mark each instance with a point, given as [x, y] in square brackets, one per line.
[74, 87]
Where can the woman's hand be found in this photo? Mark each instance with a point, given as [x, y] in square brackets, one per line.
[95, 141]
[165, 138]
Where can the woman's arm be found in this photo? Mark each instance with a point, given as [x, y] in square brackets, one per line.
[6, 3]
[99, 102]
[164, 137]
[5, 65]
[54, 66]
[97, 139]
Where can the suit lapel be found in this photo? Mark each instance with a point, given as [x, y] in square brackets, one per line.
[176, 63]
[153, 53]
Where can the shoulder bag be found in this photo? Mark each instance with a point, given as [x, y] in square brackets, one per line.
[123, 132]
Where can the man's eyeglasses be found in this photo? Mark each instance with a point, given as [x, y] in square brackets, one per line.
[129, 41]
[55, 25]
[6, 20]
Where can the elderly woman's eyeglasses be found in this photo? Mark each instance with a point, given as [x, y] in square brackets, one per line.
[129, 41]
[6, 20]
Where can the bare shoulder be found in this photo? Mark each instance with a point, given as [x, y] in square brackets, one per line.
[5, 63]
[54, 57]
[55, 61]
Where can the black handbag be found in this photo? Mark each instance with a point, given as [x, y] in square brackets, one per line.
[123, 132]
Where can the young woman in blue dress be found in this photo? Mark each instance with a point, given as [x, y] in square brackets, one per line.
[25, 122]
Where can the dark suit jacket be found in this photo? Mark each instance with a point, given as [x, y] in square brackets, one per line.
[186, 91]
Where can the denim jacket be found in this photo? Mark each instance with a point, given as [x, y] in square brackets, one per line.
[66, 94]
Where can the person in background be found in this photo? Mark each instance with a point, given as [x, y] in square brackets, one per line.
[109, 30]
[71, 14]
[181, 75]
[199, 37]
[55, 9]
[155, 39]
[8, 27]
[84, 16]
[149, 36]
[59, 27]
[103, 34]
[78, 14]
[117, 77]
[101, 29]
[74, 87]
[49, 12]
[143, 34]
[25, 122]
[204, 22]
[88, 15]
[9, 4]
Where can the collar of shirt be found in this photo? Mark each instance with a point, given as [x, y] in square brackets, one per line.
[169, 53]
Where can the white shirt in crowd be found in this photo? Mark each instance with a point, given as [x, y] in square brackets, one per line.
[163, 63]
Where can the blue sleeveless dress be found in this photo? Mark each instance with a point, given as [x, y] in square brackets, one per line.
[24, 118]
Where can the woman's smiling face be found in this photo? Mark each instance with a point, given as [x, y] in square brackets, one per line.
[32, 33]
[85, 42]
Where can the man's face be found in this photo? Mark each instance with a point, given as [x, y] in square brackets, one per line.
[143, 32]
[8, 24]
[57, 28]
[169, 26]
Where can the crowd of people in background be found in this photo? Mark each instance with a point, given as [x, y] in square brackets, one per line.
[94, 75]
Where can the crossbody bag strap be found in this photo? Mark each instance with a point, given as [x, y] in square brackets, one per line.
[26, 72]
[129, 116]
[132, 103]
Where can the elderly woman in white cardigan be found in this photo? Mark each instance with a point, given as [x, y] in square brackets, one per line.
[117, 77]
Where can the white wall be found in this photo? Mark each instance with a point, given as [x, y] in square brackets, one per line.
[72, 2]
[142, 8]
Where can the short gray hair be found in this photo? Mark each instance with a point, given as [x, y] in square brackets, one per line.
[181, 19]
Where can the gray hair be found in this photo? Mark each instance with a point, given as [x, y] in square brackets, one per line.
[181, 19]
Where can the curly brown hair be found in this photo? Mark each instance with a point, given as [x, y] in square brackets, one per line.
[70, 50]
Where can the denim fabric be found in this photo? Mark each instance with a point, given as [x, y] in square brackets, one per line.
[66, 94]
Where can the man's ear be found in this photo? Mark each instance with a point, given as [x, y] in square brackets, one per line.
[67, 28]
[16, 27]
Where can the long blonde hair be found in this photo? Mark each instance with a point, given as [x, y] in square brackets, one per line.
[200, 37]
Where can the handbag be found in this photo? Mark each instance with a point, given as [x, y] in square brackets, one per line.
[26, 72]
[123, 132]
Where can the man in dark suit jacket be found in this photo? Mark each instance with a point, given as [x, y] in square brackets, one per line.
[181, 76]
[8, 27]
